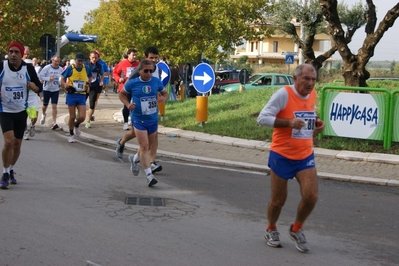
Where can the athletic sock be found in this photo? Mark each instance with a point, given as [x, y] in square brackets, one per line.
[296, 227]
[271, 227]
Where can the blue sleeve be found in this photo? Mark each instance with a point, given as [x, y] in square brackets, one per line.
[159, 84]
[128, 86]
[88, 71]
[67, 72]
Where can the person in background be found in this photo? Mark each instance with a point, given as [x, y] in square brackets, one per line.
[75, 80]
[291, 112]
[106, 73]
[144, 114]
[50, 76]
[121, 73]
[96, 85]
[16, 79]
[33, 100]
[152, 54]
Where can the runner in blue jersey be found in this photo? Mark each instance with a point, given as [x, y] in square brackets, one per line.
[143, 108]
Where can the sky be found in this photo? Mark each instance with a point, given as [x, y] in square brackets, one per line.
[386, 49]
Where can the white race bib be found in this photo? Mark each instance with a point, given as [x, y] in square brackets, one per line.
[148, 105]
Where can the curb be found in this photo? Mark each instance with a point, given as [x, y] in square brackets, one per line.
[347, 155]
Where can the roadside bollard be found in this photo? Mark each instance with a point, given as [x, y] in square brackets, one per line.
[161, 110]
[181, 92]
[202, 110]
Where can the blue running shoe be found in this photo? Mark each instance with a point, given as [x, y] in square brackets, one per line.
[4, 181]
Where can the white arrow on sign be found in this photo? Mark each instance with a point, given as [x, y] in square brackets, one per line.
[206, 78]
[164, 75]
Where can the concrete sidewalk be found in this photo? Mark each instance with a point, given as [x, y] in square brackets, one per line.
[372, 168]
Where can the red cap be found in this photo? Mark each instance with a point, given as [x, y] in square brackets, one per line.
[98, 52]
[18, 45]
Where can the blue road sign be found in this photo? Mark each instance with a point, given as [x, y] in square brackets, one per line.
[165, 73]
[74, 37]
[203, 78]
[289, 59]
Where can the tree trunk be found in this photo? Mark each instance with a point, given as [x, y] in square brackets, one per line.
[354, 66]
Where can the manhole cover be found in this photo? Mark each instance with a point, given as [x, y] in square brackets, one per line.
[145, 201]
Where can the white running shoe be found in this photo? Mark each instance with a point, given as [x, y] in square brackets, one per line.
[71, 139]
[151, 180]
[26, 135]
[32, 130]
[273, 238]
[88, 124]
[134, 167]
[125, 126]
[77, 132]
[43, 120]
[155, 167]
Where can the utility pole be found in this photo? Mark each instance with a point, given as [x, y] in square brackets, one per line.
[58, 39]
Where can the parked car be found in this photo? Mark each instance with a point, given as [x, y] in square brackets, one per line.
[224, 77]
[261, 81]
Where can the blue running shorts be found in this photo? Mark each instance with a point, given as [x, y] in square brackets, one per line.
[75, 99]
[286, 168]
[151, 127]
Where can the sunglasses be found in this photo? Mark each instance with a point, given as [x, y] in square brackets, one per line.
[147, 70]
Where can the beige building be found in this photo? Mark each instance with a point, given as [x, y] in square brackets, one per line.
[273, 50]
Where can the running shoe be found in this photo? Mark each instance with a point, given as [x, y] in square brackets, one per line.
[151, 180]
[300, 240]
[4, 181]
[155, 167]
[273, 238]
[134, 167]
[26, 135]
[71, 139]
[77, 132]
[32, 130]
[92, 118]
[54, 126]
[119, 149]
[43, 120]
[88, 124]
[13, 181]
[125, 126]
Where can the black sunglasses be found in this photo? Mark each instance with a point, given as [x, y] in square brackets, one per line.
[147, 70]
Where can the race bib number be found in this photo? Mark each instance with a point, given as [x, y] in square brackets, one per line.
[148, 105]
[14, 94]
[78, 85]
[306, 132]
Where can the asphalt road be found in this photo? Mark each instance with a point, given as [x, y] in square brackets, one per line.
[69, 209]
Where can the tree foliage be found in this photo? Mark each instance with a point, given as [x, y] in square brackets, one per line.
[354, 65]
[26, 21]
[289, 13]
[182, 30]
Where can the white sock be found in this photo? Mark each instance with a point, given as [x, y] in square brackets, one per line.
[148, 171]
[136, 158]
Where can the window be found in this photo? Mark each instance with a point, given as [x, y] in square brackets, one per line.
[281, 80]
[275, 46]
